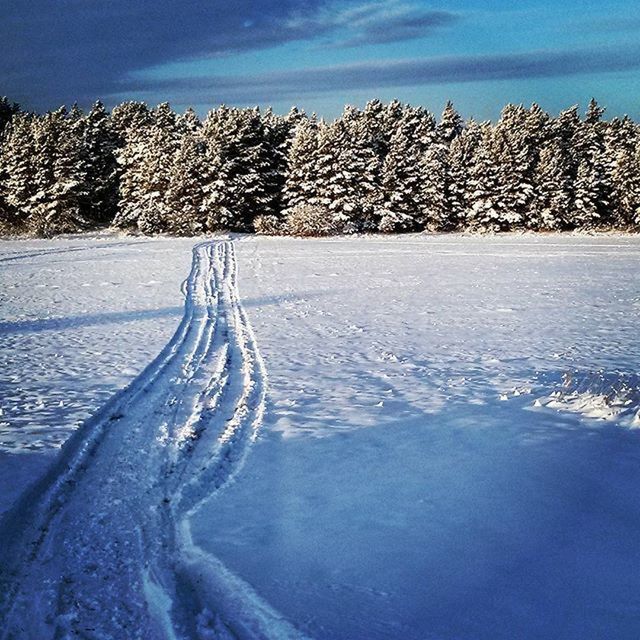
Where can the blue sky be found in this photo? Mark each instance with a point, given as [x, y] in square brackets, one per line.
[321, 54]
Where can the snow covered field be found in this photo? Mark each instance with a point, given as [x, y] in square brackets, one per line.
[79, 318]
[447, 449]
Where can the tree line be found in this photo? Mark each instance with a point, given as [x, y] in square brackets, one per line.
[385, 168]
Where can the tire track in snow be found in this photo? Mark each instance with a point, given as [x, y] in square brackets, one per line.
[102, 547]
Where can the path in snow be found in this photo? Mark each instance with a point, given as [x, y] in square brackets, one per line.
[105, 546]
[80, 318]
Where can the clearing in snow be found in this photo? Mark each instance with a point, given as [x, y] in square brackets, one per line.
[447, 448]
[105, 551]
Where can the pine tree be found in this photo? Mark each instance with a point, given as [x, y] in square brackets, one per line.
[525, 132]
[450, 126]
[514, 166]
[553, 188]
[7, 111]
[240, 179]
[435, 190]
[158, 161]
[462, 153]
[59, 204]
[593, 116]
[184, 198]
[625, 178]
[188, 123]
[484, 195]
[621, 134]
[301, 186]
[128, 118]
[556, 176]
[17, 173]
[621, 141]
[587, 201]
[184, 194]
[279, 134]
[439, 192]
[379, 122]
[348, 173]
[330, 193]
[377, 127]
[147, 162]
[592, 188]
[311, 163]
[130, 160]
[130, 121]
[403, 172]
[99, 146]
[391, 117]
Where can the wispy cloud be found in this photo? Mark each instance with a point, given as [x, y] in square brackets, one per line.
[78, 48]
[272, 87]
[374, 23]
[55, 52]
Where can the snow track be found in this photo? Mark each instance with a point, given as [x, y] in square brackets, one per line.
[101, 548]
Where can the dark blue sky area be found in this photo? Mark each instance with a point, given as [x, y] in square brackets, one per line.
[321, 55]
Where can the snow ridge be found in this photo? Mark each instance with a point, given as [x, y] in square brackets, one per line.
[601, 395]
[102, 547]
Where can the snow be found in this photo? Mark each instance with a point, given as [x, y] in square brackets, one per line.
[79, 318]
[600, 395]
[447, 448]
[392, 492]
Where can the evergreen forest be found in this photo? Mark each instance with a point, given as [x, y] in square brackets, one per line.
[385, 168]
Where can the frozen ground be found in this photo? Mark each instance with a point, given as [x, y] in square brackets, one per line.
[79, 318]
[447, 449]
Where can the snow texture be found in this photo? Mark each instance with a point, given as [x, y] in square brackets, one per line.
[102, 546]
[446, 448]
[80, 318]
[404, 484]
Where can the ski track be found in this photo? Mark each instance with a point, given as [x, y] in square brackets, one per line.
[102, 548]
